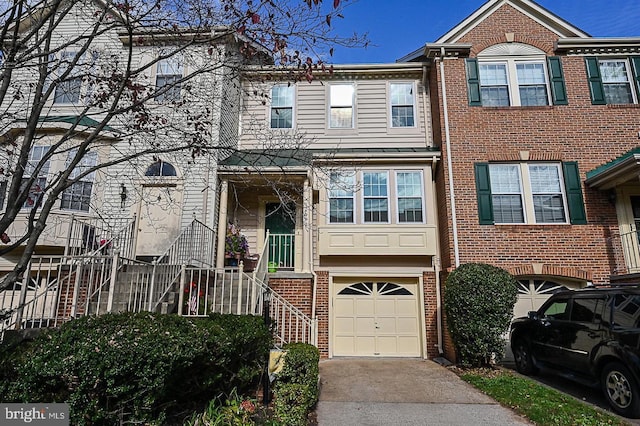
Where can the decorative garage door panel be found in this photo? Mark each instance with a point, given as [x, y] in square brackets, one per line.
[376, 318]
[533, 293]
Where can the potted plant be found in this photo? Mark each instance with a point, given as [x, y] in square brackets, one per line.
[236, 245]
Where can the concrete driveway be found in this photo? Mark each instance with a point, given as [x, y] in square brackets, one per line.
[364, 391]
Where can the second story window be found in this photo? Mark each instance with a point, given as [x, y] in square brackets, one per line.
[78, 195]
[402, 105]
[375, 197]
[410, 197]
[529, 193]
[613, 80]
[168, 75]
[282, 107]
[75, 86]
[341, 99]
[341, 197]
[36, 156]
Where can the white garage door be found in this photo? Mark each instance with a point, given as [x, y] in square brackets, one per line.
[533, 293]
[376, 318]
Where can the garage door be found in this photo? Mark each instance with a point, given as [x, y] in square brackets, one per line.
[376, 318]
[533, 293]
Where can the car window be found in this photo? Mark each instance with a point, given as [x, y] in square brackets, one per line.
[626, 312]
[559, 309]
[586, 310]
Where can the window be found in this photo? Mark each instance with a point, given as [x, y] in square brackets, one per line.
[341, 106]
[78, 195]
[409, 192]
[160, 168]
[527, 79]
[558, 310]
[36, 155]
[375, 197]
[341, 197]
[529, 193]
[68, 91]
[613, 80]
[402, 105]
[370, 197]
[168, 76]
[586, 310]
[515, 74]
[282, 107]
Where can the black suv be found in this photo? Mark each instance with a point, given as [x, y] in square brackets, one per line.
[590, 336]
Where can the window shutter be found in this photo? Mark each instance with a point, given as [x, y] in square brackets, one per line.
[483, 189]
[575, 202]
[635, 60]
[558, 89]
[473, 82]
[595, 81]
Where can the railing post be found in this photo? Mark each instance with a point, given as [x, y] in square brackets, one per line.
[76, 288]
[113, 280]
[183, 280]
[68, 244]
[153, 283]
[23, 295]
[240, 274]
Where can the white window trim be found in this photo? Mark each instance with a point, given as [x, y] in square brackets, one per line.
[512, 75]
[293, 108]
[526, 194]
[392, 198]
[362, 197]
[78, 73]
[422, 197]
[176, 58]
[630, 75]
[390, 106]
[353, 106]
[353, 199]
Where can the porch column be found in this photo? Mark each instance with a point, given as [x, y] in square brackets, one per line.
[222, 222]
[307, 224]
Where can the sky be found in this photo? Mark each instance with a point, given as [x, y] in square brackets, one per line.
[398, 27]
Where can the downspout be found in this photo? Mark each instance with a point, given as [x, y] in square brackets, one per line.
[314, 289]
[447, 137]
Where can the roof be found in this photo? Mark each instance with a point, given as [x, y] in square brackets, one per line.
[617, 171]
[529, 8]
[81, 120]
[265, 158]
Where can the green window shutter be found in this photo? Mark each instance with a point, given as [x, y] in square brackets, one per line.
[483, 189]
[575, 202]
[595, 81]
[558, 89]
[473, 82]
[635, 60]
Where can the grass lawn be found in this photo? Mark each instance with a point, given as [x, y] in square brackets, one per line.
[538, 403]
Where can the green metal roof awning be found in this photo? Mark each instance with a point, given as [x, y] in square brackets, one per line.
[618, 171]
[281, 158]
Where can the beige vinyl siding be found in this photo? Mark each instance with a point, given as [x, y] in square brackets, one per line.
[372, 126]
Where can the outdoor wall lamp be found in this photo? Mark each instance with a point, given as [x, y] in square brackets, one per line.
[123, 195]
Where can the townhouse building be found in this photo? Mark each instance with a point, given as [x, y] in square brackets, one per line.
[538, 123]
[357, 246]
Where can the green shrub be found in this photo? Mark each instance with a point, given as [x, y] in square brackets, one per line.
[296, 389]
[139, 367]
[478, 301]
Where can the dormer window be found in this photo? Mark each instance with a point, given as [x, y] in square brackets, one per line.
[514, 74]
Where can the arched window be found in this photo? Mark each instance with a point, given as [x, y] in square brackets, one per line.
[160, 168]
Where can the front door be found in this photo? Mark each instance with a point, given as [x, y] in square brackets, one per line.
[159, 214]
[281, 224]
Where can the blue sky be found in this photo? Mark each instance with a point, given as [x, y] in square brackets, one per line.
[397, 27]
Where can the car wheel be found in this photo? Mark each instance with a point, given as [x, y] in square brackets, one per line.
[522, 356]
[621, 390]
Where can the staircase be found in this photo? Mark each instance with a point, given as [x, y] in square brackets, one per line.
[98, 279]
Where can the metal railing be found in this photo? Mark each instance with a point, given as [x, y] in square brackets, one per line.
[281, 249]
[232, 291]
[98, 236]
[625, 248]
